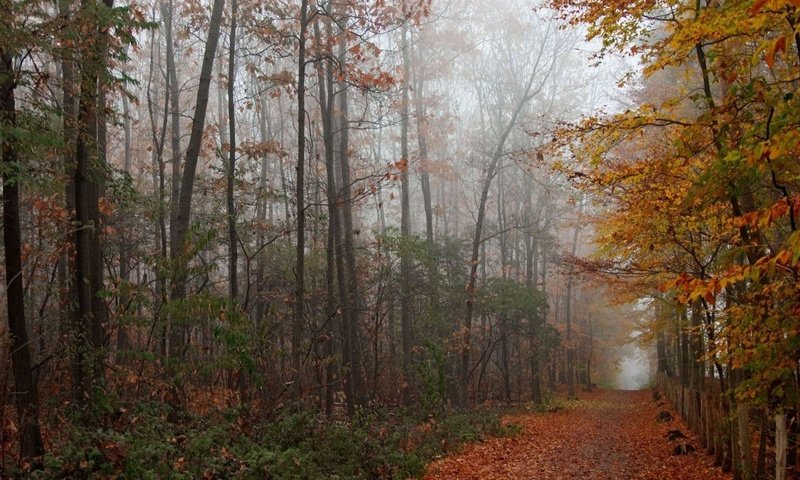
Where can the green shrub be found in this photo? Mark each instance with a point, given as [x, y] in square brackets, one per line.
[141, 442]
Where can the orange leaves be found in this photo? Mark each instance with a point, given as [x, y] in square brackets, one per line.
[613, 435]
[672, 171]
[394, 169]
[775, 47]
[690, 288]
[259, 149]
[758, 5]
[106, 207]
[765, 218]
[373, 79]
[49, 208]
[355, 51]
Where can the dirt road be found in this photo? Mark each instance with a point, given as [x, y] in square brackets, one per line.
[608, 435]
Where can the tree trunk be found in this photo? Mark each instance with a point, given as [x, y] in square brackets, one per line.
[568, 318]
[26, 398]
[491, 171]
[663, 364]
[425, 181]
[159, 184]
[781, 444]
[589, 359]
[67, 267]
[233, 251]
[89, 174]
[761, 461]
[745, 453]
[171, 335]
[531, 280]
[181, 247]
[405, 230]
[123, 342]
[261, 215]
[173, 87]
[325, 85]
[502, 239]
[297, 323]
[346, 226]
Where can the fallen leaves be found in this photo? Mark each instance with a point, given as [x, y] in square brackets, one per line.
[613, 435]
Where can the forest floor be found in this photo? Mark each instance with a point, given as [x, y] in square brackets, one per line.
[608, 434]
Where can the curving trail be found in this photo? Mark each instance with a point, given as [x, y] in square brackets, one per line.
[612, 435]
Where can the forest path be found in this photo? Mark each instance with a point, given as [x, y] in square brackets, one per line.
[610, 434]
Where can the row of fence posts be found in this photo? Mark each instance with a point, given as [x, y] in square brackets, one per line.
[724, 432]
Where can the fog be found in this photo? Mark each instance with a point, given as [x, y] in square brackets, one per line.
[633, 371]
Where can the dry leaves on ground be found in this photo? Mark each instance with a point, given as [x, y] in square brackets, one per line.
[613, 435]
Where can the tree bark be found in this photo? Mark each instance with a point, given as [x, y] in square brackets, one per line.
[745, 453]
[405, 230]
[26, 398]
[181, 248]
[352, 303]
[425, 181]
[568, 318]
[89, 174]
[297, 324]
[233, 251]
[781, 444]
[325, 85]
[174, 93]
[123, 342]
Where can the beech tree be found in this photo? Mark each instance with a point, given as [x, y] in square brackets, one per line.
[722, 242]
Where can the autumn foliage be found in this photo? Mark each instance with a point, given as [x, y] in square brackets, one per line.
[696, 187]
[605, 435]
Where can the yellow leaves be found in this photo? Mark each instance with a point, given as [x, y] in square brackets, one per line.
[704, 290]
[793, 245]
[667, 171]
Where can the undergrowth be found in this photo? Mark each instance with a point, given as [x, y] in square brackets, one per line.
[143, 441]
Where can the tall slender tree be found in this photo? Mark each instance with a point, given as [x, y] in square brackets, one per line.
[299, 296]
[89, 174]
[405, 227]
[26, 397]
[181, 213]
[233, 250]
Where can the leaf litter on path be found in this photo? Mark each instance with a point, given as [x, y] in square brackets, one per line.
[612, 435]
